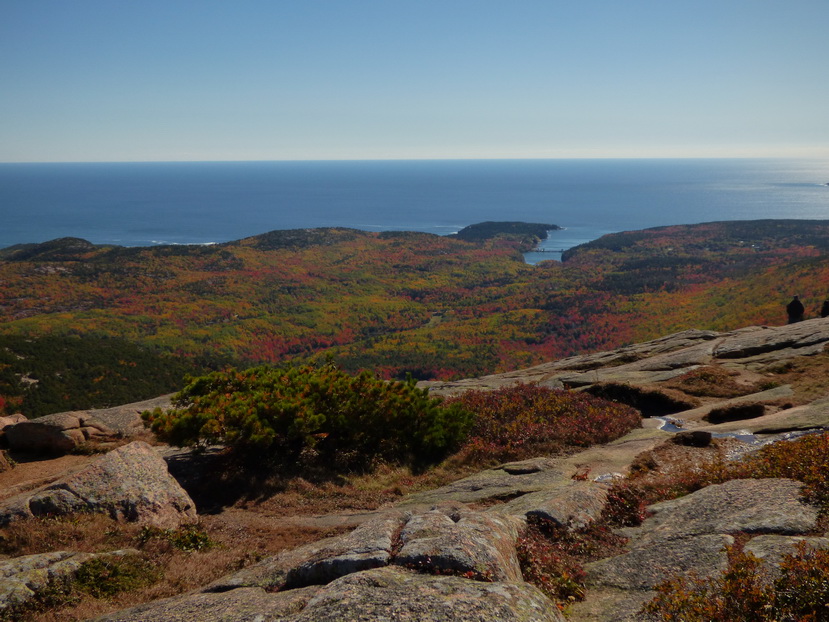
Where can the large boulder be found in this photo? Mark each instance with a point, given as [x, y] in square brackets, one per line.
[645, 567]
[775, 343]
[393, 567]
[60, 433]
[742, 505]
[7, 422]
[506, 481]
[14, 419]
[444, 540]
[370, 545]
[396, 594]
[130, 483]
[575, 505]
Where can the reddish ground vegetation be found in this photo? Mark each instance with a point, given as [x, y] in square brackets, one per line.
[746, 591]
[528, 420]
[552, 557]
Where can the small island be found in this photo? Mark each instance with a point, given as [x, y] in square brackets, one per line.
[487, 230]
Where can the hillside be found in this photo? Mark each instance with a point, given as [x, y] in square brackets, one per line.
[479, 547]
[400, 303]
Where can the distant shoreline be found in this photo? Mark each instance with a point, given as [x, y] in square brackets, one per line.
[152, 204]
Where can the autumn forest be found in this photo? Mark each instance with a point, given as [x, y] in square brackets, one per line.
[84, 325]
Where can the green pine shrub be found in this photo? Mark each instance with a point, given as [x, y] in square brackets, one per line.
[286, 414]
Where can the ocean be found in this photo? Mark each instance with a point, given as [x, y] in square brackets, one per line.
[143, 204]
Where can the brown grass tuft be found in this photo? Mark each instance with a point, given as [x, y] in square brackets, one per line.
[711, 381]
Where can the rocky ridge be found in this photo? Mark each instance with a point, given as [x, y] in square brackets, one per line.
[449, 554]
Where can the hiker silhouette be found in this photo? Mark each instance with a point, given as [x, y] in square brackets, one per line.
[795, 310]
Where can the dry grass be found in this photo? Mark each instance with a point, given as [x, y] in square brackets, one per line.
[87, 533]
[806, 374]
[714, 381]
[297, 497]
[239, 539]
[32, 471]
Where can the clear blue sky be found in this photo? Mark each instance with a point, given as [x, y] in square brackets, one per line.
[119, 80]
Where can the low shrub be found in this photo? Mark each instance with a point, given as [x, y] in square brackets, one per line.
[85, 532]
[626, 506]
[104, 577]
[711, 381]
[747, 592]
[735, 412]
[527, 420]
[309, 413]
[561, 579]
[802, 591]
[552, 557]
[100, 578]
[805, 459]
[189, 538]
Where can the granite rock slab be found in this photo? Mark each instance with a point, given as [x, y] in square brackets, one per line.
[572, 506]
[472, 544]
[500, 483]
[743, 505]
